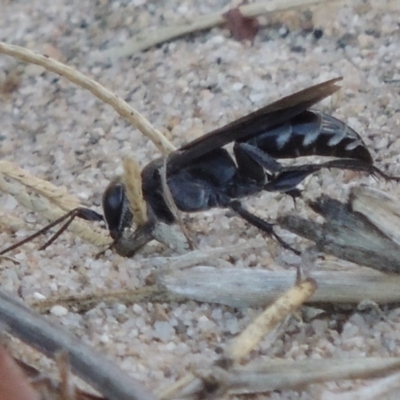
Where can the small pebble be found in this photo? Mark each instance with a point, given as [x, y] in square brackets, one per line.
[59, 311]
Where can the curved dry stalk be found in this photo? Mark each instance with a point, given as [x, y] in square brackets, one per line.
[105, 95]
[146, 39]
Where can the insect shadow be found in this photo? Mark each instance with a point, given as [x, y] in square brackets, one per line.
[202, 174]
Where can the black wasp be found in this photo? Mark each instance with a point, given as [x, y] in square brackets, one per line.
[203, 175]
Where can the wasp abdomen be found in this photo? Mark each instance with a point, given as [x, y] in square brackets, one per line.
[313, 133]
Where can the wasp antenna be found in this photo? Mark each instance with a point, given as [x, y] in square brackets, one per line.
[72, 216]
[80, 212]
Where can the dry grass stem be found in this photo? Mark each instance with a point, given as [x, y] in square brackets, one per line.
[146, 39]
[290, 301]
[105, 95]
[133, 189]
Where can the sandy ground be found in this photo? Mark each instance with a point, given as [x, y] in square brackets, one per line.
[187, 87]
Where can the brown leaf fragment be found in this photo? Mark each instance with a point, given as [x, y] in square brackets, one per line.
[11, 82]
[13, 383]
[241, 27]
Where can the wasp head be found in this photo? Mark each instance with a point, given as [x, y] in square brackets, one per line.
[116, 209]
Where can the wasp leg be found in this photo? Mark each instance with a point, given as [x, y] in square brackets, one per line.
[259, 223]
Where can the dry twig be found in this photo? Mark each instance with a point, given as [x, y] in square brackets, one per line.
[102, 374]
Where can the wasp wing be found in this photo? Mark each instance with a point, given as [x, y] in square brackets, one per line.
[252, 124]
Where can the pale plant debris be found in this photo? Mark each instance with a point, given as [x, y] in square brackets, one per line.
[379, 208]
[349, 235]
[146, 39]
